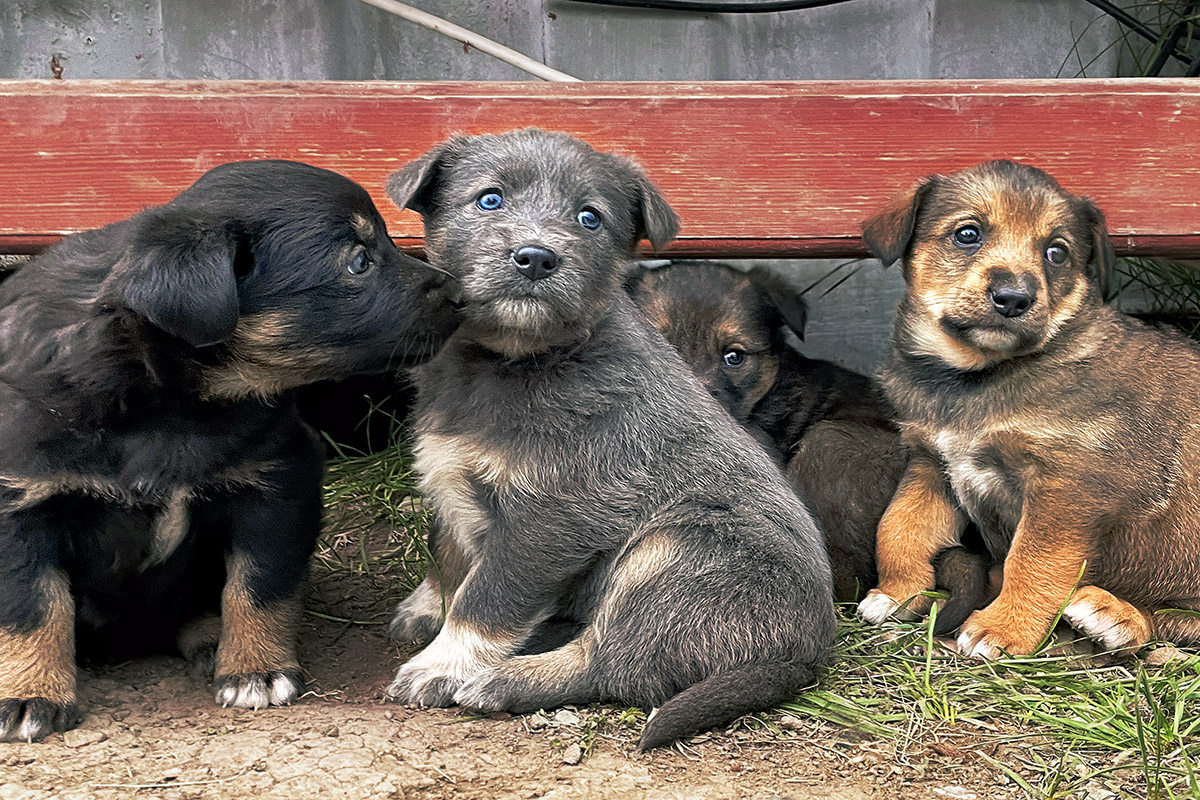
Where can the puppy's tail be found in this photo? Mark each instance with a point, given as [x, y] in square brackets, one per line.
[964, 576]
[724, 697]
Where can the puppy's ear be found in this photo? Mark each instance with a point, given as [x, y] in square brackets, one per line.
[784, 297]
[412, 186]
[178, 272]
[658, 221]
[1102, 264]
[888, 233]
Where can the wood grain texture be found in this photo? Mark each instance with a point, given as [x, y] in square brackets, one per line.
[761, 170]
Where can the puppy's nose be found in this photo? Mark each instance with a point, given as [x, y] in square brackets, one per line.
[1012, 295]
[534, 262]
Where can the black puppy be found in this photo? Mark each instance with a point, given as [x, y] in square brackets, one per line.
[578, 470]
[829, 427]
[150, 448]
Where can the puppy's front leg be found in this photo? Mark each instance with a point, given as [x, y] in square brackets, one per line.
[256, 664]
[491, 617]
[37, 632]
[37, 664]
[1041, 570]
[273, 534]
[921, 520]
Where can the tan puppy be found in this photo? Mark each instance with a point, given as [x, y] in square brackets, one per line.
[1069, 433]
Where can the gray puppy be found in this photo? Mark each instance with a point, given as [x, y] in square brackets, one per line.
[579, 472]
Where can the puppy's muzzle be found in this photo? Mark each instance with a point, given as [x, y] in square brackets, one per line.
[534, 261]
[1012, 295]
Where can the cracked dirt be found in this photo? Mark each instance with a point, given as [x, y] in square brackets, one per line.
[151, 730]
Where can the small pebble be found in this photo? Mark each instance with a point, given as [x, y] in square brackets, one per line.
[565, 717]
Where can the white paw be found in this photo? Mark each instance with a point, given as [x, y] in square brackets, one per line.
[426, 686]
[1092, 621]
[259, 690]
[972, 646]
[877, 607]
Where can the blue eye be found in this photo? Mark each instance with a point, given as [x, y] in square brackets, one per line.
[734, 358]
[359, 264]
[490, 200]
[589, 218]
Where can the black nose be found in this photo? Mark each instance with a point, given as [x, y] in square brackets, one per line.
[1011, 301]
[534, 262]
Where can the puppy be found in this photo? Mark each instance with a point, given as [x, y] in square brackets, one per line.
[1069, 433]
[578, 472]
[153, 466]
[829, 427]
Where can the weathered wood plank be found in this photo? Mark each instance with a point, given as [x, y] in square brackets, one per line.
[755, 169]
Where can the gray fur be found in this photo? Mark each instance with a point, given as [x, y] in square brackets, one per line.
[580, 473]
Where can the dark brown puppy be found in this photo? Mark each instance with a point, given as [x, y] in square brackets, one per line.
[153, 465]
[579, 472]
[1069, 433]
[829, 427]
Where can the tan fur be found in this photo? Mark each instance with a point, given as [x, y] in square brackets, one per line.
[921, 520]
[170, 527]
[363, 226]
[1078, 455]
[450, 463]
[1042, 569]
[254, 638]
[41, 662]
[555, 667]
[266, 359]
[647, 559]
[1103, 616]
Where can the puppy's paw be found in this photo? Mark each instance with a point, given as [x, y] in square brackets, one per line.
[418, 617]
[413, 627]
[197, 642]
[877, 607]
[1107, 619]
[259, 690]
[419, 685]
[32, 719]
[490, 690]
[989, 634]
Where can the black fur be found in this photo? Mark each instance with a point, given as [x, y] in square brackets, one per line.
[149, 430]
[830, 428]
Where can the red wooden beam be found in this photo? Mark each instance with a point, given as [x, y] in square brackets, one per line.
[755, 169]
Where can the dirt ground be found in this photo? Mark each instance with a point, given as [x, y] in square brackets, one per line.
[151, 730]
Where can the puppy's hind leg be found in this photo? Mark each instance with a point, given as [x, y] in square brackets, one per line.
[1179, 622]
[1108, 619]
[697, 628]
[524, 684]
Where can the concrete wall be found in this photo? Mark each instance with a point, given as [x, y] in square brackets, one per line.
[348, 40]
